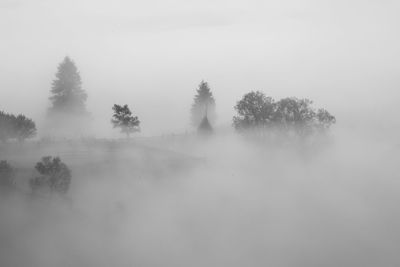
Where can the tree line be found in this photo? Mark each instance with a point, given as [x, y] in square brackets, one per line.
[256, 112]
[289, 116]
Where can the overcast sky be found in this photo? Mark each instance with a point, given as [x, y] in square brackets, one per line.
[152, 54]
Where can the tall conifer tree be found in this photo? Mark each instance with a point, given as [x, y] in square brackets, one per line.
[67, 95]
[204, 103]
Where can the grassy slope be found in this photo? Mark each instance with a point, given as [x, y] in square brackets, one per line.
[97, 158]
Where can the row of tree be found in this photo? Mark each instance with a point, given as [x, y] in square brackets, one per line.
[256, 111]
[259, 113]
[68, 103]
[16, 127]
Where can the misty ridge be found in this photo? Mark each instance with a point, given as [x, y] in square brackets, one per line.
[280, 187]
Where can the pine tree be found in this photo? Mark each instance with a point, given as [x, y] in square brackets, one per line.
[204, 102]
[123, 119]
[68, 97]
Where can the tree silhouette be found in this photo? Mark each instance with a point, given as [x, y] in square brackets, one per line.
[7, 128]
[55, 175]
[203, 103]
[293, 114]
[67, 93]
[290, 116]
[24, 128]
[325, 119]
[255, 110]
[123, 119]
[67, 115]
[16, 127]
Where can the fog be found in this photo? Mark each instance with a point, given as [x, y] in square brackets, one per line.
[225, 201]
[169, 197]
[341, 54]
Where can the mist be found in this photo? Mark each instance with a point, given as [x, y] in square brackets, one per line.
[155, 191]
[342, 55]
[227, 202]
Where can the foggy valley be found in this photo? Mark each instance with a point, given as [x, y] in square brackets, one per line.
[199, 133]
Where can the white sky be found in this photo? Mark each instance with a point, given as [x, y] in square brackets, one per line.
[152, 54]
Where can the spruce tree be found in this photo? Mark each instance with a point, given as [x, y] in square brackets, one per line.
[67, 95]
[204, 103]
